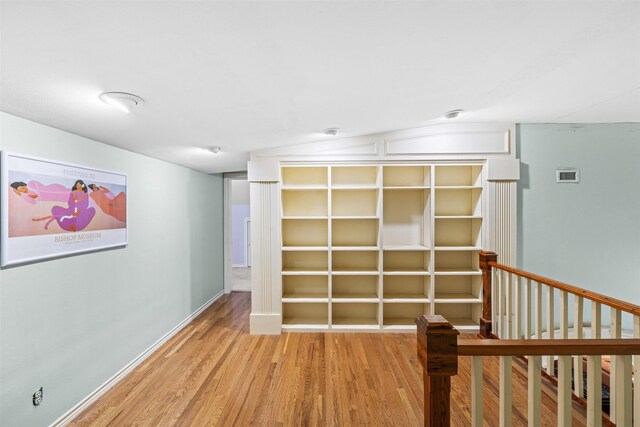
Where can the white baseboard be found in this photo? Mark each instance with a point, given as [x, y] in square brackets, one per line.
[107, 385]
[265, 324]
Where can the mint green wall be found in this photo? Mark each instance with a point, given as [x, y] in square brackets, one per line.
[70, 324]
[586, 234]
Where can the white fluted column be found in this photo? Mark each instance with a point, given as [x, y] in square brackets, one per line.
[266, 259]
[503, 176]
[505, 221]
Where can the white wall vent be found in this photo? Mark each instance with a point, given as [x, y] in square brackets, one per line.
[567, 175]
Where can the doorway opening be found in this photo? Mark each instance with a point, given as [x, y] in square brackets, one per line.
[237, 233]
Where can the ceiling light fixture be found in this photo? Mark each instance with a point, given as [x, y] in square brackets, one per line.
[214, 149]
[331, 131]
[452, 114]
[122, 101]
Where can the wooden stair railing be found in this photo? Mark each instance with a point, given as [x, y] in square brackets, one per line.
[439, 348]
[513, 307]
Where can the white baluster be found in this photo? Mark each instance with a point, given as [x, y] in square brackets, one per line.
[495, 295]
[596, 320]
[505, 391]
[616, 323]
[505, 311]
[564, 366]
[636, 375]
[578, 370]
[622, 406]
[564, 391]
[594, 372]
[564, 315]
[509, 303]
[517, 324]
[533, 390]
[539, 310]
[550, 326]
[594, 391]
[500, 315]
[527, 305]
[476, 391]
[616, 332]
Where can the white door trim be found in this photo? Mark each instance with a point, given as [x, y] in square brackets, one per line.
[227, 258]
[247, 231]
[227, 235]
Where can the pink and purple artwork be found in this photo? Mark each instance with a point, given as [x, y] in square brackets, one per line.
[51, 209]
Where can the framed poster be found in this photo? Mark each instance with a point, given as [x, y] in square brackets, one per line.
[51, 209]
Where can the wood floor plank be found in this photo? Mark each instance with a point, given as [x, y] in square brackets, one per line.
[213, 373]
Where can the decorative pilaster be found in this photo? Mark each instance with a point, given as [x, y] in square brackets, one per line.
[266, 261]
[505, 226]
[503, 176]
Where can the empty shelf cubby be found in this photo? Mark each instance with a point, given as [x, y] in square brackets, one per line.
[304, 176]
[416, 262]
[305, 287]
[406, 218]
[305, 314]
[456, 262]
[354, 287]
[406, 176]
[354, 262]
[354, 176]
[406, 288]
[354, 314]
[305, 232]
[305, 203]
[458, 202]
[304, 261]
[363, 203]
[458, 176]
[458, 288]
[354, 232]
[458, 232]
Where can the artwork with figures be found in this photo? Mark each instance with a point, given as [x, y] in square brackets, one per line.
[51, 209]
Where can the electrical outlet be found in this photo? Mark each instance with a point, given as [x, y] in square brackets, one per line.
[37, 397]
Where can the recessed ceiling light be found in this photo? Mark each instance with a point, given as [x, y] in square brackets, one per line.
[331, 131]
[121, 100]
[452, 114]
[214, 149]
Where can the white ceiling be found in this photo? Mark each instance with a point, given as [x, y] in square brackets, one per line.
[253, 75]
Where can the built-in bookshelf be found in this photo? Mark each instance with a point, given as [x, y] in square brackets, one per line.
[371, 247]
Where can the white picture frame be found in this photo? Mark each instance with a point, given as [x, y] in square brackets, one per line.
[51, 209]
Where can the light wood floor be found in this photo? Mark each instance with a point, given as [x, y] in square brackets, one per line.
[214, 373]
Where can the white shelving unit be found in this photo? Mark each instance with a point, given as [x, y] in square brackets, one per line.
[371, 247]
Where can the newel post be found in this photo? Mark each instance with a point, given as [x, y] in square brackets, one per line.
[438, 354]
[485, 320]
